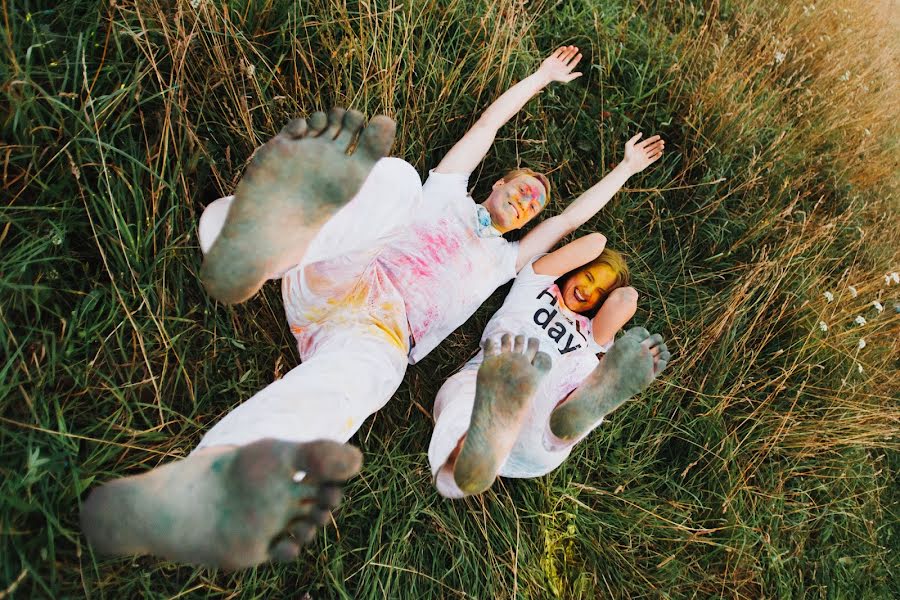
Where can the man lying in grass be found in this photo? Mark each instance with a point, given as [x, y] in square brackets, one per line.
[376, 270]
[517, 409]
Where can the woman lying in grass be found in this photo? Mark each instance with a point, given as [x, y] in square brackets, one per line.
[509, 411]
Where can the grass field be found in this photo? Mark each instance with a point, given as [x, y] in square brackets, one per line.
[763, 464]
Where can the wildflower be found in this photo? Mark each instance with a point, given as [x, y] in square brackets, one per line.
[853, 292]
[877, 305]
[823, 326]
[779, 57]
[195, 4]
[860, 320]
[866, 131]
[845, 76]
[895, 277]
[859, 368]
[861, 344]
[829, 296]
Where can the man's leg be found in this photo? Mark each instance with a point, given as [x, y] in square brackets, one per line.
[628, 368]
[505, 384]
[296, 181]
[259, 486]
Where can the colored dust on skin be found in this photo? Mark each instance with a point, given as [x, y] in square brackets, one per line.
[353, 307]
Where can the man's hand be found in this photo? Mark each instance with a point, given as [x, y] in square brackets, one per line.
[558, 66]
[639, 155]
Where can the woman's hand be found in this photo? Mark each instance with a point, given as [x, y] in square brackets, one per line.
[639, 155]
[558, 66]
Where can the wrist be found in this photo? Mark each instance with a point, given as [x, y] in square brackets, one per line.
[541, 80]
[626, 169]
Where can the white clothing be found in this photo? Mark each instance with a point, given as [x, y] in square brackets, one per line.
[399, 265]
[532, 308]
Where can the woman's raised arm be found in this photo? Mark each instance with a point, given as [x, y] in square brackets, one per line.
[638, 156]
[465, 155]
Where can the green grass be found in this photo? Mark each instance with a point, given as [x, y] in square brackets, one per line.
[764, 464]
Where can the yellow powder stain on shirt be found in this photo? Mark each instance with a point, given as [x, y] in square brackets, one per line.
[349, 424]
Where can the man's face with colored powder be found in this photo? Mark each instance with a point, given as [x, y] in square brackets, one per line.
[515, 202]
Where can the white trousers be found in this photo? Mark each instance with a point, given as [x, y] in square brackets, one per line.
[352, 362]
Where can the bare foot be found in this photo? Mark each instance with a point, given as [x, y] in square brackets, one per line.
[230, 508]
[507, 380]
[627, 369]
[296, 181]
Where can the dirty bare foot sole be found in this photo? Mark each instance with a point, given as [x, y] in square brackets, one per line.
[296, 181]
[229, 508]
[627, 369]
[506, 383]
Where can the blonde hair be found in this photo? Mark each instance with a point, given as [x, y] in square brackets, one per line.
[510, 175]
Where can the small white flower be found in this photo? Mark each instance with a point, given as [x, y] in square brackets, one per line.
[860, 320]
[859, 368]
[853, 292]
[887, 279]
[823, 326]
[195, 4]
[877, 305]
[829, 296]
[845, 76]
[895, 277]
[866, 131]
[861, 344]
[779, 57]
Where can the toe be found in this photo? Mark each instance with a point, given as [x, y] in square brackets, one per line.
[317, 123]
[335, 121]
[506, 342]
[638, 332]
[296, 128]
[519, 344]
[325, 460]
[330, 495]
[284, 550]
[542, 362]
[490, 347]
[352, 123]
[319, 516]
[377, 138]
[533, 345]
[303, 531]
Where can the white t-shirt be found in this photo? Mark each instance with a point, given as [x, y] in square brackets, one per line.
[443, 270]
[416, 248]
[533, 308]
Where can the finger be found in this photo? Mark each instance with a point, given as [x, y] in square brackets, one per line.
[572, 76]
[519, 345]
[533, 345]
[650, 140]
[506, 342]
[559, 52]
[635, 138]
[574, 62]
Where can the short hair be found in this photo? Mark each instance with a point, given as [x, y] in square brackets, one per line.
[617, 264]
[510, 175]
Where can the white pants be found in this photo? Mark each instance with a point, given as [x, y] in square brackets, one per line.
[353, 359]
[537, 450]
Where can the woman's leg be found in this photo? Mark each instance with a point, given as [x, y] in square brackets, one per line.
[466, 455]
[633, 362]
[296, 182]
[259, 485]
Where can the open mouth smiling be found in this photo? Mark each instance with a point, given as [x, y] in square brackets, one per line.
[513, 206]
[578, 295]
